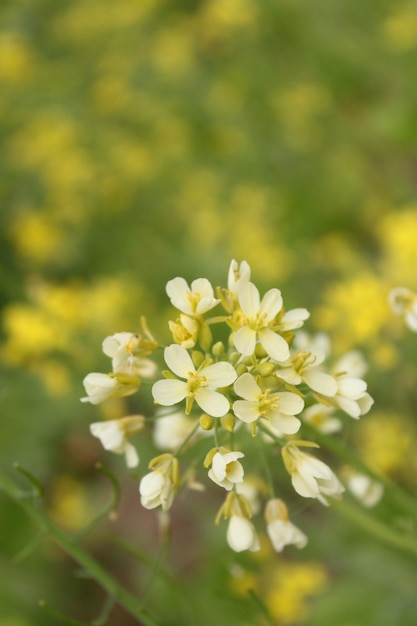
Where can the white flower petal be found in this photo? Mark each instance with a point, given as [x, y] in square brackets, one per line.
[352, 388]
[170, 391]
[212, 402]
[245, 340]
[249, 300]
[289, 403]
[283, 533]
[178, 292]
[178, 360]
[284, 424]
[365, 403]
[351, 407]
[247, 387]
[237, 275]
[275, 345]
[289, 375]
[271, 304]
[241, 534]
[246, 410]
[294, 318]
[110, 434]
[321, 382]
[219, 374]
[305, 485]
[132, 457]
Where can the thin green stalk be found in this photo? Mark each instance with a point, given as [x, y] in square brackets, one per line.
[69, 545]
[366, 520]
[341, 450]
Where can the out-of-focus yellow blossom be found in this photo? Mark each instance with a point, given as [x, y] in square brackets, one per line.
[299, 108]
[54, 320]
[132, 159]
[268, 257]
[291, 586]
[35, 237]
[220, 19]
[335, 250]
[172, 51]
[81, 22]
[111, 94]
[17, 60]
[387, 443]
[398, 235]
[71, 505]
[55, 377]
[400, 29]
[354, 311]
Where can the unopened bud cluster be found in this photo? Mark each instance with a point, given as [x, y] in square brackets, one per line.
[265, 380]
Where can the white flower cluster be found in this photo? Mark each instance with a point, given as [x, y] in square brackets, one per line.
[404, 302]
[266, 379]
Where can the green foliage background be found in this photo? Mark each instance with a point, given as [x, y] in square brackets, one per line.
[147, 139]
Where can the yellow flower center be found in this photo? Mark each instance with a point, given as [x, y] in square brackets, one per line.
[302, 360]
[266, 402]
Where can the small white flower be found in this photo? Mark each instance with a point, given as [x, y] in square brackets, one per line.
[404, 302]
[257, 322]
[365, 489]
[195, 301]
[352, 397]
[114, 434]
[185, 331]
[280, 530]
[171, 429]
[101, 387]
[293, 319]
[226, 470]
[158, 487]
[278, 408]
[241, 534]
[322, 418]
[303, 367]
[237, 276]
[122, 348]
[310, 477]
[199, 385]
[350, 364]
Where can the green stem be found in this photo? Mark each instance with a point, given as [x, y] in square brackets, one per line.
[341, 450]
[73, 549]
[365, 519]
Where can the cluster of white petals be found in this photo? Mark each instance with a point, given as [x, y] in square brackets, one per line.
[281, 531]
[226, 471]
[100, 387]
[192, 301]
[247, 369]
[404, 302]
[278, 408]
[114, 435]
[256, 322]
[310, 477]
[199, 385]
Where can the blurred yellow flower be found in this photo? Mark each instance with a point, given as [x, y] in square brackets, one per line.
[36, 237]
[17, 59]
[354, 311]
[299, 108]
[172, 50]
[387, 443]
[290, 587]
[400, 29]
[397, 232]
[70, 505]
